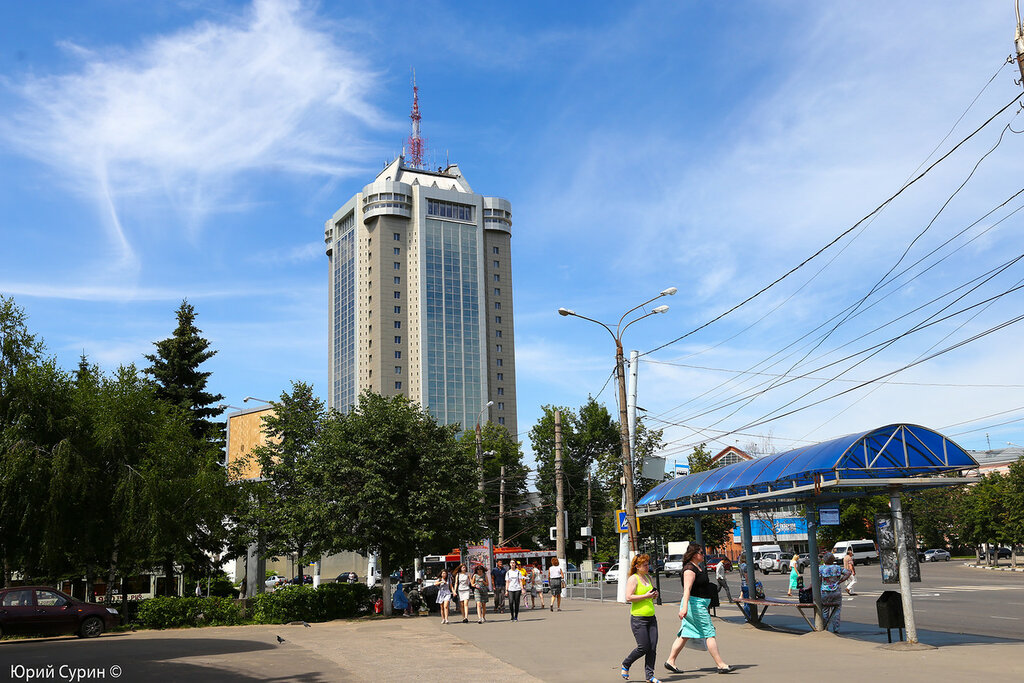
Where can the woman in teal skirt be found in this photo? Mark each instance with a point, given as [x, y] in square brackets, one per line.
[693, 610]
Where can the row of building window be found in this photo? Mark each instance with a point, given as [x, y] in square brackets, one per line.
[498, 212]
[460, 212]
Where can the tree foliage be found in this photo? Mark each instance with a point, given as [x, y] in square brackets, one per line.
[398, 483]
[590, 442]
[499, 449]
[175, 368]
[286, 511]
[98, 476]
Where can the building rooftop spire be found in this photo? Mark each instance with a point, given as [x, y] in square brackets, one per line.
[415, 144]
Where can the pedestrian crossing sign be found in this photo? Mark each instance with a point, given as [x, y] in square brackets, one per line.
[623, 524]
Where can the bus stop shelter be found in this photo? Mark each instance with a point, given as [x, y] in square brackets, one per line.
[884, 461]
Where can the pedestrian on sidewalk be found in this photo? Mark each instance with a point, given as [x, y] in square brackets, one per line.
[480, 590]
[444, 593]
[693, 611]
[498, 582]
[514, 585]
[850, 566]
[832, 577]
[640, 594]
[536, 585]
[794, 576]
[400, 601]
[721, 579]
[463, 587]
[555, 574]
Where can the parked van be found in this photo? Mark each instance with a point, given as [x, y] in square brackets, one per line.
[864, 551]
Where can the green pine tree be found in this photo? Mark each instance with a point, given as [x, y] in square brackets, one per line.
[175, 369]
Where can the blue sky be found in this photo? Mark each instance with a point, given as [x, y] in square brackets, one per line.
[152, 152]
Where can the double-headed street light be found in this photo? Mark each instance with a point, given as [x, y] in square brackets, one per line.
[627, 459]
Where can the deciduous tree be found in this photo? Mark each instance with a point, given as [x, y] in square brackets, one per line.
[399, 483]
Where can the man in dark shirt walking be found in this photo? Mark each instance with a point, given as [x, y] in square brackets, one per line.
[498, 579]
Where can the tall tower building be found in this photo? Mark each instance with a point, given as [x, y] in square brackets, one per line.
[421, 296]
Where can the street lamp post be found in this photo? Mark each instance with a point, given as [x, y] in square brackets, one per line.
[627, 459]
[480, 454]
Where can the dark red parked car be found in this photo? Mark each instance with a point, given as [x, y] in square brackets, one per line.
[602, 567]
[45, 610]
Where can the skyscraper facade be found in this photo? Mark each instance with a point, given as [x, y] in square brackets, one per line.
[421, 296]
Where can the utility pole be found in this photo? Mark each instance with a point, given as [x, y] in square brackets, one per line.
[590, 524]
[559, 494]
[1019, 43]
[501, 509]
[627, 454]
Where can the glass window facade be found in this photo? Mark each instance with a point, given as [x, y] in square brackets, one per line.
[460, 212]
[343, 333]
[453, 340]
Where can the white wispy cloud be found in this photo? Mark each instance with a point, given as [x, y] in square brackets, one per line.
[180, 118]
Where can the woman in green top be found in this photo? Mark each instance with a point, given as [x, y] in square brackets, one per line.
[640, 594]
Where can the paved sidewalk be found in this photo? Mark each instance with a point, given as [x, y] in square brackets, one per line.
[586, 641]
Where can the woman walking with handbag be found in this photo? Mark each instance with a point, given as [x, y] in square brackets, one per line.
[693, 610]
[463, 589]
[444, 594]
[640, 594]
[480, 592]
[555, 575]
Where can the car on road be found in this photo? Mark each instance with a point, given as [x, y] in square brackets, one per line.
[1000, 553]
[602, 567]
[347, 577]
[673, 565]
[936, 554]
[715, 559]
[612, 575]
[44, 610]
[773, 562]
[275, 581]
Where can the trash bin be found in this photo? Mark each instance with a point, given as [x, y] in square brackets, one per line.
[890, 612]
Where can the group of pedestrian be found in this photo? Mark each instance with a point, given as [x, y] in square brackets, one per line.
[504, 583]
[694, 614]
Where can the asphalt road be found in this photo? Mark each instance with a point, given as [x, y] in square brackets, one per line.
[951, 599]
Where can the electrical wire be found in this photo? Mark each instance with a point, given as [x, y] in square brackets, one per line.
[840, 235]
[719, 388]
[769, 374]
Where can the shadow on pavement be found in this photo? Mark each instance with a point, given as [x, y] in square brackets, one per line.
[874, 634]
[144, 658]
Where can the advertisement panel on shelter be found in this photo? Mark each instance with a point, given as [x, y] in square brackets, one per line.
[479, 554]
[888, 560]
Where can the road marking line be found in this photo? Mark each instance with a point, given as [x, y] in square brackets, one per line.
[1011, 618]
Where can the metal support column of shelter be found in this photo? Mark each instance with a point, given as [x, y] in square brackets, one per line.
[904, 563]
[748, 551]
[812, 554]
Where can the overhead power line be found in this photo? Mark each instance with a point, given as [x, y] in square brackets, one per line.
[841, 235]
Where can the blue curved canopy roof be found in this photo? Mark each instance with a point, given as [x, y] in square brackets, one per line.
[893, 452]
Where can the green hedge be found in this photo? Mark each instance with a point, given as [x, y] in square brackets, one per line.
[288, 603]
[174, 612]
[329, 601]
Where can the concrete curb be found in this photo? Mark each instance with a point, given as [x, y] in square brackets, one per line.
[994, 569]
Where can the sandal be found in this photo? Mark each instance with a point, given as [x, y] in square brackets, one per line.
[725, 669]
[652, 679]
[673, 669]
[624, 673]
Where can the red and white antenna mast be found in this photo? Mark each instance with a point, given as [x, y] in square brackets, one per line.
[415, 143]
